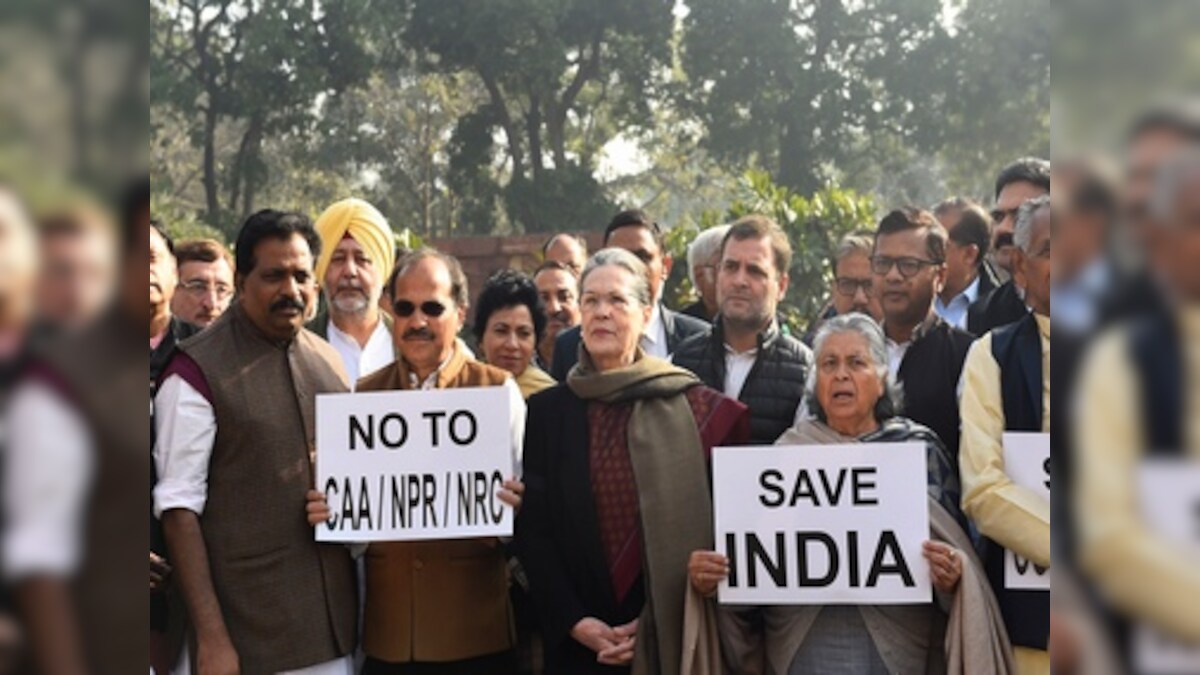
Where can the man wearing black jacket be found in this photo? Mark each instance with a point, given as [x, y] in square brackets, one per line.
[746, 356]
[925, 354]
[637, 233]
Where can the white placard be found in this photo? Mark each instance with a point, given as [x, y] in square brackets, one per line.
[1027, 463]
[1169, 496]
[815, 524]
[414, 465]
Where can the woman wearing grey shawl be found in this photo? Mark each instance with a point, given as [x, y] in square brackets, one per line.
[852, 400]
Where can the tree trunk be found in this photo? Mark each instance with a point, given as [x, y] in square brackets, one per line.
[212, 204]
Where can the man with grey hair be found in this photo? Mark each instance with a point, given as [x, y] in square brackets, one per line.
[703, 256]
[853, 287]
[1006, 388]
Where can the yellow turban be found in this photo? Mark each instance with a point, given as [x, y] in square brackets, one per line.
[366, 225]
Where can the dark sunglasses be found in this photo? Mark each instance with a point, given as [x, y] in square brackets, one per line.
[431, 308]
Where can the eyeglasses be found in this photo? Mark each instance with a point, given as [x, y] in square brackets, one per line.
[198, 288]
[881, 265]
[849, 287]
[430, 308]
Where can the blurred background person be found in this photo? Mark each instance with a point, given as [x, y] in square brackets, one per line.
[558, 288]
[205, 286]
[356, 258]
[615, 460]
[853, 399]
[968, 276]
[703, 259]
[566, 249]
[853, 288]
[78, 251]
[1085, 272]
[509, 322]
[1158, 134]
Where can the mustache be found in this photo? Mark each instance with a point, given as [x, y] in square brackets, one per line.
[560, 316]
[417, 334]
[287, 303]
[350, 285]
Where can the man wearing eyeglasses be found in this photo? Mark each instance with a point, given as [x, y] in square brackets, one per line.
[853, 287]
[925, 354]
[205, 281]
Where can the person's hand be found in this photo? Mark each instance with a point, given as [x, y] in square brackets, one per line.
[706, 571]
[945, 565]
[512, 493]
[595, 635]
[217, 658]
[317, 508]
[621, 654]
[160, 571]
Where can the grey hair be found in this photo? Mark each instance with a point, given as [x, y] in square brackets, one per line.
[619, 257]
[1023, 231]
[855, 242]
[859, 324]
[703, 248]
[1170, 181]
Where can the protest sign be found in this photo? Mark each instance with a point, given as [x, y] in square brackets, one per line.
[1027, 463]
[1169, 496]
[413, 465]
[837, 524]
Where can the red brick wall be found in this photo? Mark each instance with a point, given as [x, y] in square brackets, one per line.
[481, 256]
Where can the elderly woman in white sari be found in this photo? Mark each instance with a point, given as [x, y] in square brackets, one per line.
[851, 399]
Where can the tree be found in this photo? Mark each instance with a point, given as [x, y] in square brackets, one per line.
[789, 86]
[260, 63]
[553, 71]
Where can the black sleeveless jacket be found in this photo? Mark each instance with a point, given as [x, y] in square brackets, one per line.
[775, 385]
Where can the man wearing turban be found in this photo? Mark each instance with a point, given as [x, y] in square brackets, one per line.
[357, 254]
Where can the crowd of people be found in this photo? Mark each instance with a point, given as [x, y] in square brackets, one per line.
[936, 331]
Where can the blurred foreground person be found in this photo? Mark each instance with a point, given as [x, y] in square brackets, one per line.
[616, 463]
[78, 267]
[1139, 400]
[853, 399]
[74, 482]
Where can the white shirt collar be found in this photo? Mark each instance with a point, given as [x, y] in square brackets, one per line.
[358, 360]
[654, 336]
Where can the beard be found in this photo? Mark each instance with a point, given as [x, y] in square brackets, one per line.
[348, 301]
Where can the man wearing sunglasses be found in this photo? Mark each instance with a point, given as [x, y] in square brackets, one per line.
[925, 354]
[436, 606]
[1017, 183]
